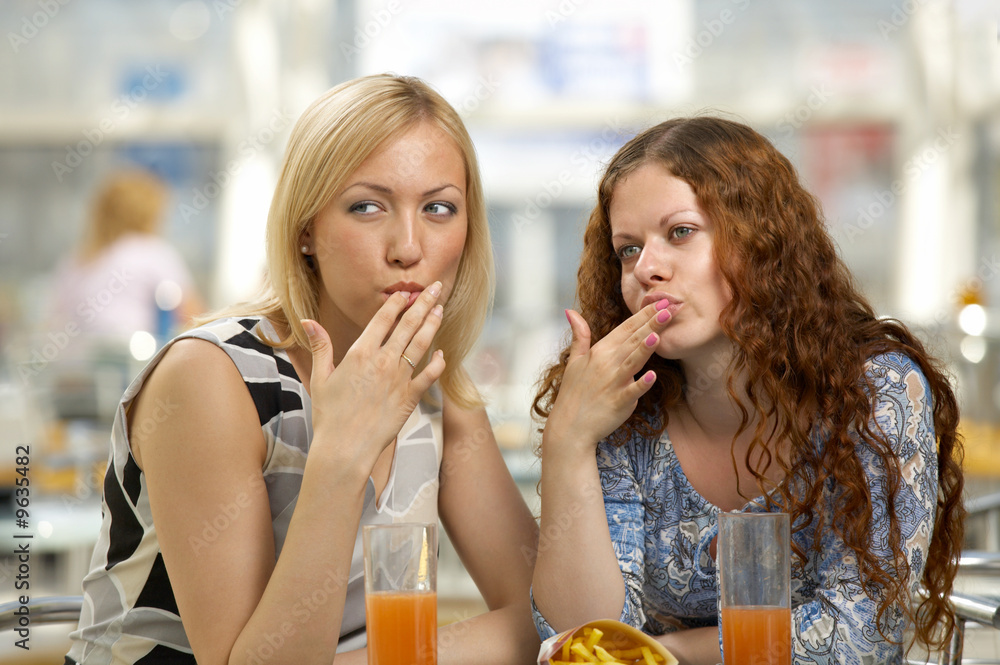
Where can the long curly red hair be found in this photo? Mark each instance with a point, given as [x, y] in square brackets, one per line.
[801, 333]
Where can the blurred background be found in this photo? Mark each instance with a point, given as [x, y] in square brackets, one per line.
[890, 109]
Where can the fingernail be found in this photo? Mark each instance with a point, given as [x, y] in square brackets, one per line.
[405, 294]
[566, 312]
[662, 304]
[649, 376]
[435, 289]
[663, 316]
[309, 327]
[438, 311]
[651, 340]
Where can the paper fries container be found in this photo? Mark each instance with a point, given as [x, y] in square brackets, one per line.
[621, 635]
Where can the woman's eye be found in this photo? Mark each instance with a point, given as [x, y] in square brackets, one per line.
[682, 232]
[364, 207]
[440, 208]
[627, 252]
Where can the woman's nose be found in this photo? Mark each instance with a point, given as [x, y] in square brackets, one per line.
[652, 266]
[404, 246]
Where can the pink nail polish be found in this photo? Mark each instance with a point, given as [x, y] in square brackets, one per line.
[662, 304]
[663, 316]
[566, 312]
[649, 376]
[651, 340]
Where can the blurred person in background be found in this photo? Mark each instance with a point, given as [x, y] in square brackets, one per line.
[252, 449]
[723, 360]
[125, 277]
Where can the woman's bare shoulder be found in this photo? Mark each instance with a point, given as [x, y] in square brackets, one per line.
[194, 387]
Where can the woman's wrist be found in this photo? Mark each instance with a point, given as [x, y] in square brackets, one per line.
[345, 463]
[566, 445]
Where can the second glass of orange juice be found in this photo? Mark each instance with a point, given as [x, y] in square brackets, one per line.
[401, 593]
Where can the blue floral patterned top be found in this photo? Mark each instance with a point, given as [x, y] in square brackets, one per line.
[661, 529]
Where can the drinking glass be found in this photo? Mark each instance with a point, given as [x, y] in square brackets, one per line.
[401, 593]
[754, 588]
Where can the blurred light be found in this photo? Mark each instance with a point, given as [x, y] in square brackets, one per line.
[142, 345]
[168, 295]
[973, 348]
[44, 529]
[972, 319]
[190, 20]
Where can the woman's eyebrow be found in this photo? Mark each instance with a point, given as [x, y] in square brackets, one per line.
[388, 190]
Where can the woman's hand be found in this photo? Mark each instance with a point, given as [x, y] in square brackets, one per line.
[364, 401]
[599, 390]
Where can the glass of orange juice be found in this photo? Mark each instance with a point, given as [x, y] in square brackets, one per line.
[401, 593]
[754, 588]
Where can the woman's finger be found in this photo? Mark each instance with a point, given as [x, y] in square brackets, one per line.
[424, 336]
[634, 325]
[385, 318]
[322, 351]
[580, 344]
[420, 383]
[640, 387]
[412, 321]
[643, 343]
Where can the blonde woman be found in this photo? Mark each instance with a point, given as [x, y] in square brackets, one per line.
[251, 450]
[107, 288]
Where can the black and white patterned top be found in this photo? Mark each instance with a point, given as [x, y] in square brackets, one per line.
[129, 613]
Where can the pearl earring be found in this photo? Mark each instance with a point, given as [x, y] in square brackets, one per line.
[305, 249]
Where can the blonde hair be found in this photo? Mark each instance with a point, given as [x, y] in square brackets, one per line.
[128, 202]
[331, 139]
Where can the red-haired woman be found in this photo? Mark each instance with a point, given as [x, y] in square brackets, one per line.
[723, 359]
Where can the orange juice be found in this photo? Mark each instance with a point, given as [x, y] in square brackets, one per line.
[402, 628]
[757, 635]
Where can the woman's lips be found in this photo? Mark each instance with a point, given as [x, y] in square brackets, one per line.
[657, 297]
[413, 291]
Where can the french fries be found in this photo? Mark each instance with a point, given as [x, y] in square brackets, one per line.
[590, 647]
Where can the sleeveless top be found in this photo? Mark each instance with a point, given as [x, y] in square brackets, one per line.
[129, 612]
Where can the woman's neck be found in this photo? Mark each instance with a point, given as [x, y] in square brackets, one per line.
[707, 401]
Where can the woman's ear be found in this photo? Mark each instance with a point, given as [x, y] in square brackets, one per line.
[306, 240]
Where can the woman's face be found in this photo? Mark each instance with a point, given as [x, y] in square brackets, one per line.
[664, 242]
[398, 224]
